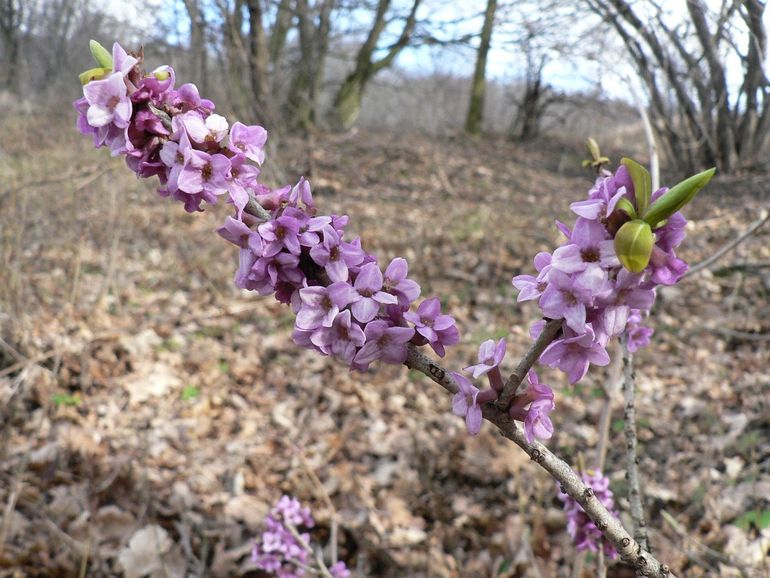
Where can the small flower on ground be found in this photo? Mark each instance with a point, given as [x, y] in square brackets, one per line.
[339, 570]
[581, 528]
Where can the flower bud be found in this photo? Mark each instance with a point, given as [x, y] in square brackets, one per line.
[676, 198]
[642, 180]
[626, 206]
[93, 74]
[161, 74]
[102, 57]
[633, 245]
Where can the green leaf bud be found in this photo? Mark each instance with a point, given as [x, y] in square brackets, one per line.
[633, 245]
[642, 180]
[677, 197]
[102, 57]
[626, 206]
[93, 74]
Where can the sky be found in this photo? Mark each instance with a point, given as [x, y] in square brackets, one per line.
[505, 63]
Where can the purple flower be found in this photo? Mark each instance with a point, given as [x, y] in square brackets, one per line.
[384, 341]
[320, 305]
[368, 294]
[539, 397]
[339, 570]
[302, 192]
[248, 140]
[589, 248]
[670, 235]
[629, 292]
[173, 156]
[396, 283]
[538, 424]
[341, 339]
[204, 173]
[464, 404]
[335, 255]
[567, 297]
[600, 204]
[532, 287]
[573, 354]
[437, 329]
[666, 268]
[290, 510]
[108, 102]
[243, 176]
[638, 334]
[583, 531]
[122, 61]
[280, 233]
[209, 131]
[490, 356]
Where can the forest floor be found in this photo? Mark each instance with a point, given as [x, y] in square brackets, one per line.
[151, 413]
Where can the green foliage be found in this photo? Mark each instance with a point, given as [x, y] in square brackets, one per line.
[66, 399]
[190, 392]
[759, 519]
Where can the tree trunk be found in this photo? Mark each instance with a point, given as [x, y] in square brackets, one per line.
[198, 44]
[347, 103]
[475, 119]
[258, 63]
[10, 22]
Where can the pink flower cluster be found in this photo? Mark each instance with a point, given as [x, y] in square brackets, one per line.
[345, 305]
[580, 527]
[584, 284]
[279, 552]
[532, 407]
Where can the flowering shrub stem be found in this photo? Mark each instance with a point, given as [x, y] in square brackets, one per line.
[550, 331]
[629, 427]
[628, 548]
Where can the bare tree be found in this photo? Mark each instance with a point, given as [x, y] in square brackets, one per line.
[347, 102]
[699, 117]
[11, 16]
[198, 45]
[537, 95]
[314, 24]
[475, 117]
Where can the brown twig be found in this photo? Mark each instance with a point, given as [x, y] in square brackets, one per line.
[629, 428]
[322, 569]
[630, 550]
[549, 333]
[764, 216]
[327, 500]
